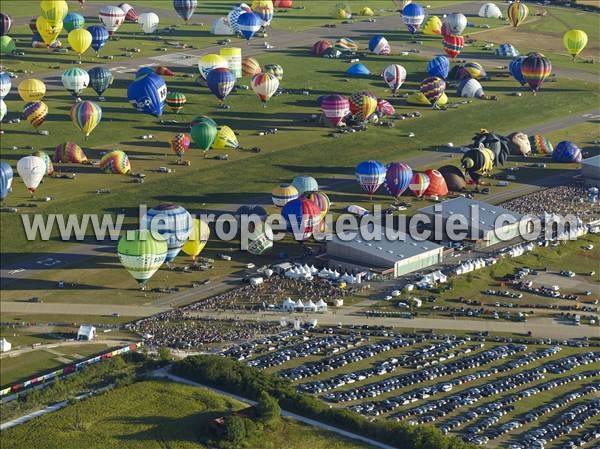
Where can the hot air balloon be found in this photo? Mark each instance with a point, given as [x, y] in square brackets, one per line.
[73, 21]
[478, 162]
[234, 15]
[321, 200]
[251, 210]
[173, 223]
[358, 70]
[346, 44]
[437, 184]
[305, 184]
[163, 71]
[490, 10]
[506, 50]
[335, 108]
[6, 178]
[185, 8]
[226, 139]
[204, 132]
[575, 41]
[433, 88]
[54, 11]
[141, 255]
[47, 162]
[470, 88]
[48, 32]
[38, 42]
[362, 106]
[149, 22]
[5, 84]
[517, 13]
[143, 71]
[385, 108]
[394, 75]
[99, 36]
[5, 24]
[31, 90]
[566, 152]
[264, 9]
[7, 45]
[147, 94]
[515, 69]
[342, 11]
[3, 110]
[320, 47]
[75, 80]
[536, 68]
[208, 62]
[197, 240]
[264, 86]
[379, 45]
[518, 143]
[283, 194]
[69, 152]
[283, 3]
[499, 145]
[397, 178]
[100, 78]
[249, 23]
[31, 169]
[220, 82]
[419, 184]
[432, 26]
[302, 217]
[112, 17]
[180, 143]
[176, 101]
[438, 66]
[413, 16]
[86, 115]
[370, 175]
[35, 113]
[115, 162]
[455, 180]
[274, 69]
[471, 69]
[131, 14]
[453, 45]
[250, 67]
[456, 23]
[260, 239]
[541, 145]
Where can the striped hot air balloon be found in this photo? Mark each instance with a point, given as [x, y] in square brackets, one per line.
[115, 162]
[176, 101]
[185, 8]
[264, 86]
[575, 41]
[249, 23]
[5, 24]
[180, 144]
[335, 108]
[142, 255]
[567, 152]
[433, 88]
[226, 139]
[370, 175]
[250, 67]
[100, 78]
[44, 156]
[86, 115]
[35, 113]
[131, 15]
[274, 69]
[302, 217]
[541, 145]
[305, 184]
[99, 36]
[517, 13]
[283, 194]
[75, 80]
[397, 178]
[321, 200]
[379, 45]
[362, 105]
[453, 45]
[535, 68]
[385, 108]
[112, 17]
[69, 152]
[394, 75]
[437, 183]
[220, 82]
[413, 16]
[439, 66]
[173, 223]
[471, 69]
[419, 184]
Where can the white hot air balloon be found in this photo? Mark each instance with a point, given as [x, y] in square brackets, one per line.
[394, 75]
[5, 84]
[490, 10]
[112, 17]
[75, 80]
[2, 110]
[456, 22]
[31, 169]
[149, 22]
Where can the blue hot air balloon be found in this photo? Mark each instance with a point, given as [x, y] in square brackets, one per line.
[413, 16]
[5, 84]
[6, 177]
[439, 66]
[358, 70]
[220, 82]
[185, 8]
[143, 71]
[174, 223]
[397, 178]
[567, 152]
[370, 175]
[99, 36]
[148, 94]
[515, 70]
[100, 79]
[249, 23]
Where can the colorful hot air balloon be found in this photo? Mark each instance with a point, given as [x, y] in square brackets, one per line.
[536, 68]
[197, 240]
[31, 90]
[69, 152]
[5, 84]
[379, 45]
[515, 69]
[370, 175]
[112, 17]
[131, 15]
[335, 108]
[176, 101]
[302, 217]
[413, 16]
[31, 169]
[362, 106]
[506, 50]
[320, 47]
[141, 255]
[220, 82]
[478, 162]
[115, 162]
[264, 86]
[264, 9]
[35, 113]
[321, 200]
[439, 66]
[250, 67]
[86, 115]
[456, 23]
[100, 78]
[437, 184]
[517, 13]
[163, 71]
[149, 22]
[185, 8]
[75, 80]
[419, 184]
[385, 108]
[274, 69]
[433, 88]
[499, 145]
[397, 178]
[226, 139]
[249, 23]
[541, 145]
[147, 94]
[48, 32]
[566, 152]
[432, 26]
[394, 75]
[471, 69]
[47, 161]
[173, 223]
[99, 36]
[305, 184]
[575, 41]
[5, 24]
[204, 132]
[234, 15]
[453, 45]
[211, 61]
[73, 21]
[283, 194]
[6, 178]
[180, 143]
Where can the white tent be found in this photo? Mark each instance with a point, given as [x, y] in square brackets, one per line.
[289, 305]
[220, 27]
[321, 306]
[86, 332]
[300, 305]
[5, 345]
[310, 306]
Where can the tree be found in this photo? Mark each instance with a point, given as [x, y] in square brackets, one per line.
[164, 355]
[267, 407]
[235, 430]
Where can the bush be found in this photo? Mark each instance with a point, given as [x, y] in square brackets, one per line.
[235, 429]
[267, 408]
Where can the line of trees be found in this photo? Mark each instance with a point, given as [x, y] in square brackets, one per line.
[235, 377]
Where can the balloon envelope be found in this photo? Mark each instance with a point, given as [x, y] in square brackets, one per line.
[370, 175]
[173, 223]
[149, 22]
[31, 90]
[86, 115]
[567, 152]
[305, 184]
[100, 78]
[80, 40]
[203, 132]
[5, 24]
[73, 21]
[31, 169]
[283, 194]
[394, 75]
[198, 239]
[575, 41]
[419, 184]
[439, 66]
[69, 152]
[6, 178]
[115, 162]
[141, 255]
[535, 69]
[413, 16]
[185, 8]
[211, 61]
[99, 36]
[397, 178]
[220, 82]
[112, 17]
[335, 108]
[35, 113]
[264, 86]
[147, 94]
[302, 217]
[75, 80]
[249, 23]
[5, 84]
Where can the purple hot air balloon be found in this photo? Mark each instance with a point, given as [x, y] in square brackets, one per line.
[185, 8]
[335, 108]
[220, 81]
[567, 152]
[397, 178]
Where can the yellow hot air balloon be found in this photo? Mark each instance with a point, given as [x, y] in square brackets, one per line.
[575, 41]
[418, 98]
[80, 40]
[31, 90]
[197, 239]
[432, 26]
[54, 11]
[48, 32]
[226, 139]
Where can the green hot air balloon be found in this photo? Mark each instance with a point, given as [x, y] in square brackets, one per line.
[204, 132]
[7, 45]
[142, 255]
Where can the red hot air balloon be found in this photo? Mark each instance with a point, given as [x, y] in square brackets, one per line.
[453, 45]
[335, 108]
[321, 47]
[437, 184]
[164, 71]
[302, 217]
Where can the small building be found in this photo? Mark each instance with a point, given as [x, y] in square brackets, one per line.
[590, 171]
[339, 302]
[5, 345]
[86, 332]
